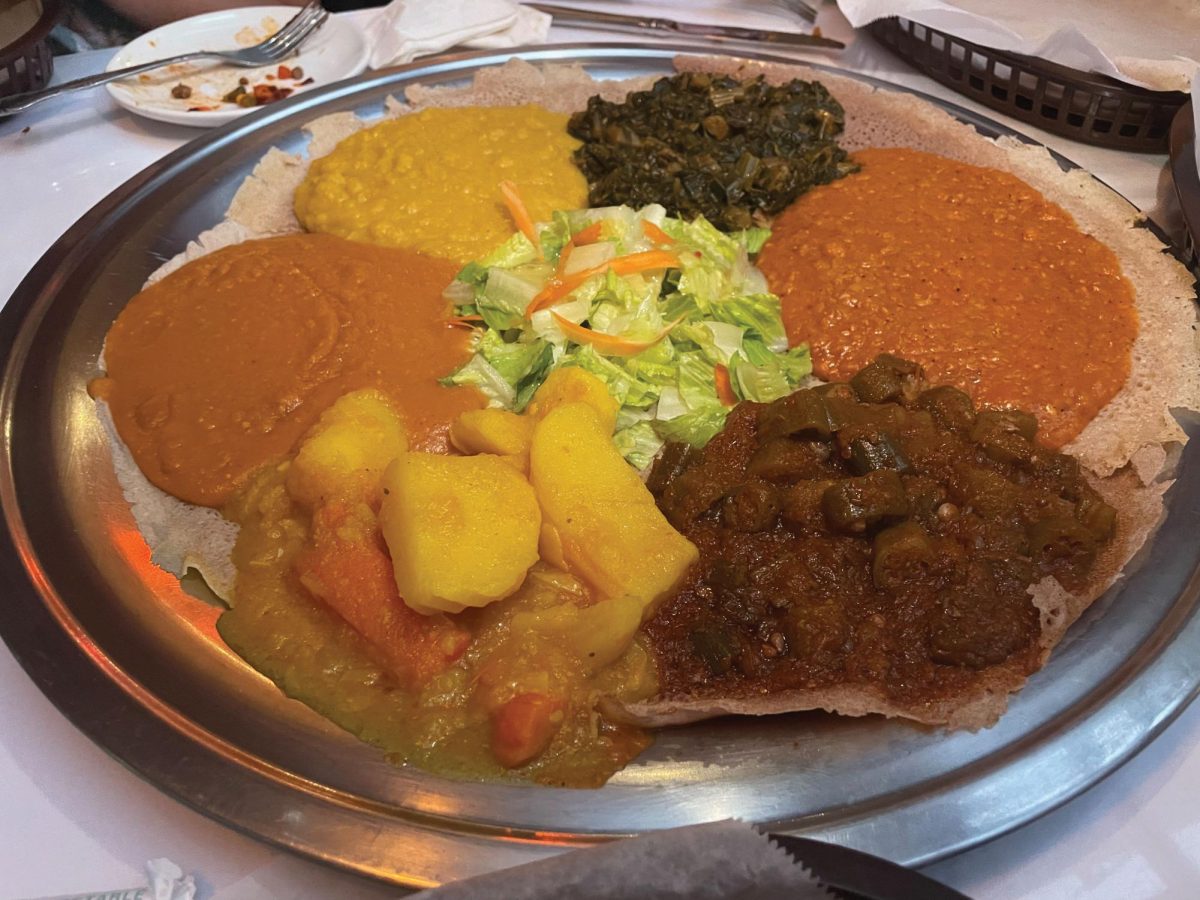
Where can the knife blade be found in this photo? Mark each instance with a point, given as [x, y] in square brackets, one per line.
[855, 875]
[607, 21]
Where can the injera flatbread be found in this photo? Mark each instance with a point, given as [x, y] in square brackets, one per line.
[1134, 437]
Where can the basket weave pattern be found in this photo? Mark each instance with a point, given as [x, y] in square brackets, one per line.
[27, 63]
[1079, 105]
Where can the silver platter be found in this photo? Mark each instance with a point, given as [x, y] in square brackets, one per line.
[132, 658]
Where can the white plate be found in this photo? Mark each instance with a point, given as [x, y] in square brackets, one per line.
[337, 51]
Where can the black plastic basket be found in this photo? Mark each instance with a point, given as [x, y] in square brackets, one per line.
[1187, 182]
[1079, 105]
[27, 63]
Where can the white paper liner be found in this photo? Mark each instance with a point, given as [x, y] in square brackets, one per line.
[1155, 45]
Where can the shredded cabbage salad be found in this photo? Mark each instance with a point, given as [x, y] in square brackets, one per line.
[671, 315]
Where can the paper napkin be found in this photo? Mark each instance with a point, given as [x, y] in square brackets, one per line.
[406, 29]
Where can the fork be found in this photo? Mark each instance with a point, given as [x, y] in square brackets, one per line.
[278, 46]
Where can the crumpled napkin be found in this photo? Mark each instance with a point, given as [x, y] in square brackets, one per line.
[406, 29]
[164, 881]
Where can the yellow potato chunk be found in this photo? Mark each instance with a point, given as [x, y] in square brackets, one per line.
[612, 533]
[598, 634]
[491, 431]
[494, 431]
[519, 461]
[344, 454]
[575, 385]
[462, 530]
[550, 547]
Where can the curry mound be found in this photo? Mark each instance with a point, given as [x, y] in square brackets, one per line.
[968, 271]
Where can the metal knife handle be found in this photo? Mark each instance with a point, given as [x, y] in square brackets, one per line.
[607, 21]
[20, 102]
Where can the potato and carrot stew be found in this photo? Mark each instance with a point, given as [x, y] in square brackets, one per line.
[499, 591]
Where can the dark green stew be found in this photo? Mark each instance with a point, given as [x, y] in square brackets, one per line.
[711, 145]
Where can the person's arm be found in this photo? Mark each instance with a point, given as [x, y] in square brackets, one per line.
[152, 13]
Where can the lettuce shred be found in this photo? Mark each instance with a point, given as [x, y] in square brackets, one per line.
[716, 306]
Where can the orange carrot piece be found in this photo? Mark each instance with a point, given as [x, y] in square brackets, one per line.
[563, 256]
[656, 234]
[346, 564]
[588, 235]
[608, 343]
[641, 262]
[520, 215]
[557, 288]
[724, 386]
[523, 727]
[464, 321]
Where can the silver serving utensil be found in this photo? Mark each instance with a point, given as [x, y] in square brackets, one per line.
[278, 46]
[607, 21]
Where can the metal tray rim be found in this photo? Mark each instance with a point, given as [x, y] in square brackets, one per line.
[68, 664]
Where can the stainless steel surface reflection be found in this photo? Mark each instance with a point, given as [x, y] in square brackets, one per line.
[133, 659]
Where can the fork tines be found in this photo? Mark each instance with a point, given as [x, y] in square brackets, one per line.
[297, 29]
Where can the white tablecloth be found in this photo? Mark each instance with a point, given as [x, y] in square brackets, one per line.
[74, 821]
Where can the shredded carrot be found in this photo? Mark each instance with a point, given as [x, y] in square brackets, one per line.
[588, 235]
[608, 343]
[724, 386]
[520, 215]
[647, 259]
[563, 256]
[559, 286]
[464, 321]
[656, 234]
